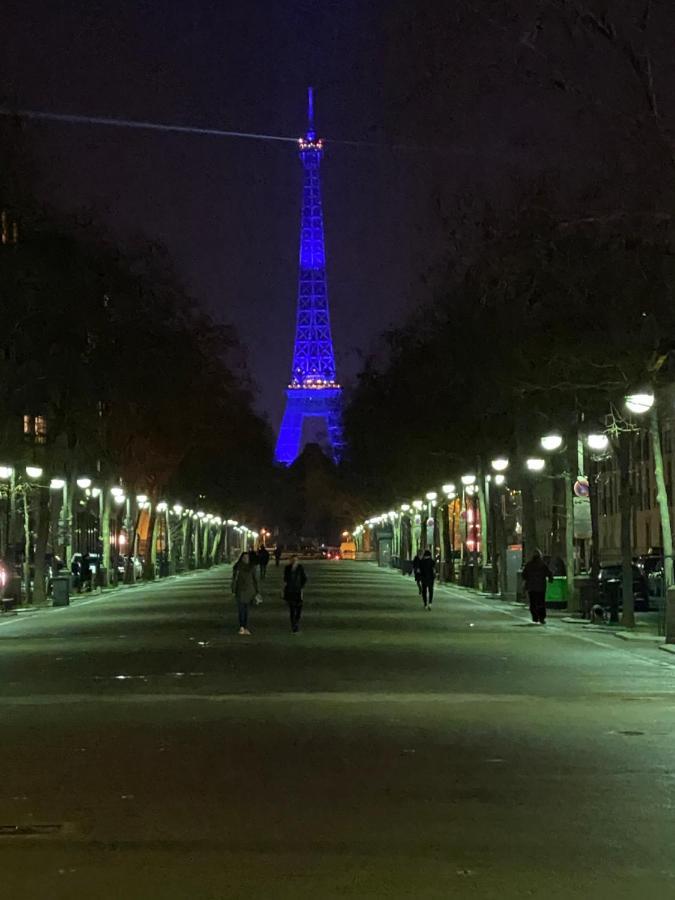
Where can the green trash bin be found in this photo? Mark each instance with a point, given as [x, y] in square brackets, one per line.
[556, 592]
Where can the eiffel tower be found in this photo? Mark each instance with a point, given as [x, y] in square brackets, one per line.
[313, 391]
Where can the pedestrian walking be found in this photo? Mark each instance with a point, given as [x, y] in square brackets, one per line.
[417, 559]
[294, 585]
[244, 588]
[536, 574]
[85, 574]
[427, 578]
[263, 560]
[278, 550]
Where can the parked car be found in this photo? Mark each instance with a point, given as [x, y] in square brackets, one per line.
[330, 553]
[610, 579]
[122, 567]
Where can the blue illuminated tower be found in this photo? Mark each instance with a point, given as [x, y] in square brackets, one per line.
[313, 390]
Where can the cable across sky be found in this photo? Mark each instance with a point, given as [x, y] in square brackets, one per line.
[112, 122]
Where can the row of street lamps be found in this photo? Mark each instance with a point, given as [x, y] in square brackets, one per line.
[597, 443]
[32, 475]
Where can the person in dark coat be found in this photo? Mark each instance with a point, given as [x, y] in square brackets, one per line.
[536, 574]
[417, 559]
[278, 550]
[244, 588]
[294, 584]
[85, 573]
[263, 560]
[427, 569]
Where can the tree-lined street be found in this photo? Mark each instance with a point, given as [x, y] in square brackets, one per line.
[383, 751]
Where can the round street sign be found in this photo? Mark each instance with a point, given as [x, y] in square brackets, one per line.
[581, 487]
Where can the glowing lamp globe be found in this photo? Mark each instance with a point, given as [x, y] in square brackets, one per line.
[535, 464]
[552, 442]
[500, 464]
[468, 479]
[639, 403]
[597, 442]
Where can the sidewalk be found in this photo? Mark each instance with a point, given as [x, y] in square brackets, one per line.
[645, 633]
[107, 593]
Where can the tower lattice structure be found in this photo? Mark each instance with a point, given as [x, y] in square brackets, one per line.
[313, 390]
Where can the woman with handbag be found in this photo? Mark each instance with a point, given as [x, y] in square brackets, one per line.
[244, 588]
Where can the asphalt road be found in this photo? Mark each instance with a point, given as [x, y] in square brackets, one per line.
[148, 751]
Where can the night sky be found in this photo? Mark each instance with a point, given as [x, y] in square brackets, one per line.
[508, 102]
[227, 209]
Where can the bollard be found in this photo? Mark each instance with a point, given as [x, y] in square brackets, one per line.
[670, 615]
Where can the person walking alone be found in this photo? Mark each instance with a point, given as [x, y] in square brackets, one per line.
[427, 569]
[417, 559]
[263, 560]
[536, 574]
[294, 584]
[244, 588]
[278, 550]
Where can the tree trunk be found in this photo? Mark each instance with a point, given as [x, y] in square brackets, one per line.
[484, 528]
[41, 538]
[185, 544]
[205, 546]
[530, 542]
[150, 566]
[569, 478]
[197, 545]
[595, 530]
[625, 506]
[215, 549]
[106, 561]
[26, 545]
[662, 498]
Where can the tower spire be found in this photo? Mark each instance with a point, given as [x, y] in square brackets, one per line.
[311, 133]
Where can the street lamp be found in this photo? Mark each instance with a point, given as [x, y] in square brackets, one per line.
[178, 509]
[535, 464]
[499, 479]
[639, 403]
[431, 495]
[418, 504]
[405, 507]
[6, 472]
[117, 491]
[551, 442]
[597, 442]
[57, 484]
[141, 499]
[500, 464]
[448, 489]
[34, 471]
[83, 482]
[468, 480]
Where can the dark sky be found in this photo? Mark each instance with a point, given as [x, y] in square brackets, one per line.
[227, 209]
[515, 94]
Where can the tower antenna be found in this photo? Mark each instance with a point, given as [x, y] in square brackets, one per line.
[311, 134]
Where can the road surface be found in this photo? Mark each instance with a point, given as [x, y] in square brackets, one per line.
[148, 751]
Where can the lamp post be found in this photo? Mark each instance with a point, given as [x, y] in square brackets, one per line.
[645, 404]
